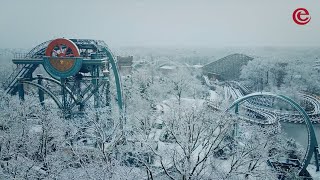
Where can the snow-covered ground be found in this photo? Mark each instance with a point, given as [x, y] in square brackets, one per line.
[312, 170]
[214, 96]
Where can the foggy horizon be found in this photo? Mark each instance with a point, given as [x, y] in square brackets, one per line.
[173, 24]
[179, 89]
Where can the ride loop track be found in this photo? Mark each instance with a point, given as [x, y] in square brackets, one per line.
[261, 108]
[263, 103]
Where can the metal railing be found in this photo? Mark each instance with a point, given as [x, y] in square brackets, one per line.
[19, 55]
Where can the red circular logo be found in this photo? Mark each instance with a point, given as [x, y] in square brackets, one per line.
[301, 16]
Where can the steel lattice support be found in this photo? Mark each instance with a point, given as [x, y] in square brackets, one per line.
[79, 67]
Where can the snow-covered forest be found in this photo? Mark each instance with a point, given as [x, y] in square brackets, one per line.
[169, 130]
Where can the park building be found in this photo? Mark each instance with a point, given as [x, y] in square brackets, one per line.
[227, 68]
[125, 64]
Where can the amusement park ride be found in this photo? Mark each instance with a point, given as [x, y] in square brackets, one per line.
[312, 147]
[79, 74]
[79, 69]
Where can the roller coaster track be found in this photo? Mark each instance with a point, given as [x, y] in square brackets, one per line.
[97, 47]
[255, 113]
[262, 107]
[282, 115]
[242, 95]
[250, 113]
[24, 71]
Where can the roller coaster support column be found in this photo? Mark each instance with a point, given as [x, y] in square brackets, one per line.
[64, 94]
[108, 99]
[316, 156]
[78, 93]
[95, 81]
[235, 126]
[40, 92]
[21, 89]
[106, 74]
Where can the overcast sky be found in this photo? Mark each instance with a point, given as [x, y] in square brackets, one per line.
[174, 23]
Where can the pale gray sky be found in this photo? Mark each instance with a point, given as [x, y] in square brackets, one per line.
[195, 23]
